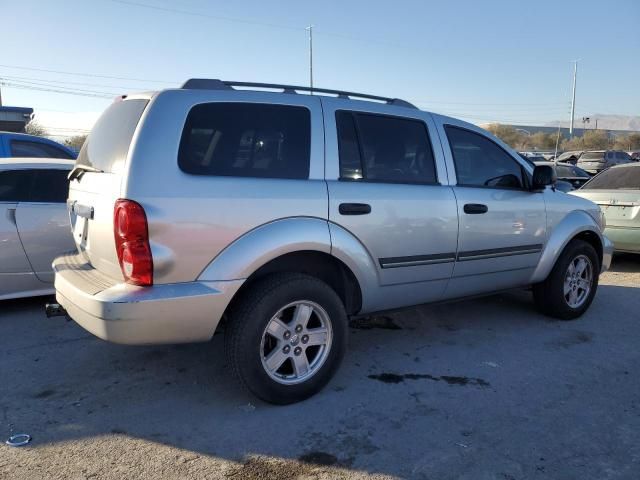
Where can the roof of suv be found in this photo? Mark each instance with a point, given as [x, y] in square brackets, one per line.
[39, 161]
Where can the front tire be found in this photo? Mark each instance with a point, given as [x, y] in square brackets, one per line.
[286, 337]
[570, 287]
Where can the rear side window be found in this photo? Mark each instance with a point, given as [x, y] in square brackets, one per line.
[108, 143]
[15, 185]
[592, 156]
[24, 148]
[50, 186]
[383, 148]
[246, 140]
[480, 162]
[618, 178]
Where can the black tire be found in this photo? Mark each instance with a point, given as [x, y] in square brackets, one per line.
[549, 295]
[249, 318]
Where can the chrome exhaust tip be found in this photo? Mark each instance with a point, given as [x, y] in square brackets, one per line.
[54, 310]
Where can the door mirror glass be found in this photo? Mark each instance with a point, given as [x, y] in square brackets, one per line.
[543, 175]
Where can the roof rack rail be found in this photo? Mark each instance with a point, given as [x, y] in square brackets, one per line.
[216, 84]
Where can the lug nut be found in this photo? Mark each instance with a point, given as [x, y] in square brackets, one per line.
[298, 328]
[287, 335]
[305, 338]
[286, 349]
[297, 351]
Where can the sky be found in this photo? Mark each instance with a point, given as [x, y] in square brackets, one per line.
[483, 61]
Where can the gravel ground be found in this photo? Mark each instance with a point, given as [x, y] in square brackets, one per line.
[480, 389]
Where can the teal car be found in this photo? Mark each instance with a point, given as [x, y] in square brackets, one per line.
[617, 192]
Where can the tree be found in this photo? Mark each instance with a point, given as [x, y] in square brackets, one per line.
[543, 141]
[34, 128]
[591, 140]
[75, 142]
[508, 135]
[627, 142]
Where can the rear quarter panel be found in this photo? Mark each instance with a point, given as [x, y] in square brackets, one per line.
[193, 218]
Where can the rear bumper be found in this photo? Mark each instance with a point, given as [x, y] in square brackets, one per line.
[624, 239]
[128, 314]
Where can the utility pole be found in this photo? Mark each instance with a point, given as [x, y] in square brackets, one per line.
[310, 29]
[573, 100]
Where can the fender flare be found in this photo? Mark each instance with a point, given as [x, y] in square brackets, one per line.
[262, 244]
[574, 223]
[350, 251]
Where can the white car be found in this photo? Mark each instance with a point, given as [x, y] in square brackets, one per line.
[34, 223]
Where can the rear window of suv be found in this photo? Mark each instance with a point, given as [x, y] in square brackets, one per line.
[108, 143]
[617, 178]
[592, 156]
[246, 140]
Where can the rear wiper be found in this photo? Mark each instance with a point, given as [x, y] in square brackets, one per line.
[80, 170]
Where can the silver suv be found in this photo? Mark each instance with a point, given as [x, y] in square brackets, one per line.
[279, 215]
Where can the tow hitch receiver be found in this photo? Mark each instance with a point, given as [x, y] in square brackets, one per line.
[54, 310]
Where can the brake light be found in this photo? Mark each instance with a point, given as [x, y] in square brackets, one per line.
[132, 242]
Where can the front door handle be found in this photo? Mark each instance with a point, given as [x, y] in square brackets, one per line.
[354, 208]
[475, 208]
[11, 215]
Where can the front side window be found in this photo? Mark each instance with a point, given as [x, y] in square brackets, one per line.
[15, 185]
[246, 140]
[382, 148]
[479, 162]
[25, 148]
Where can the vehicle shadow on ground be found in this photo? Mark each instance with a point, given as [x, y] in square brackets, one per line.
[625, 263]
[61, 383]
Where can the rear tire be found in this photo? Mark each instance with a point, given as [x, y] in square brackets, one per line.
[570, 287]
[286, 337]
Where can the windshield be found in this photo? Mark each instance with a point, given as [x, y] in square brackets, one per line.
[592, 156]
[570, 171]
[108, 143]
[623, 178]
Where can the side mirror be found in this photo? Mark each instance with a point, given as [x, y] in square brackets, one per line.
[543, 175]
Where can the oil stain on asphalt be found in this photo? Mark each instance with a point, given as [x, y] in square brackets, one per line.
[396, 378]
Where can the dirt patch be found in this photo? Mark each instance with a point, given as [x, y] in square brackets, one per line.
[369, 323]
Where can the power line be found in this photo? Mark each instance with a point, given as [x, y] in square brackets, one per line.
[51, 90]
[209, 16]
[95, 75]
[66, 82]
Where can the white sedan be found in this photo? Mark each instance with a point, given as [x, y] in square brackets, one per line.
[34, 223]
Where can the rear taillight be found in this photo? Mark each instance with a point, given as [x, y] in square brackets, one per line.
[132, 242]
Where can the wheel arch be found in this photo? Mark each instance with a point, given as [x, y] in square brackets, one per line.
[576, 225]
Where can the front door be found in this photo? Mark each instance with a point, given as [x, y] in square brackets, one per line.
[502, 223]
[388, 195]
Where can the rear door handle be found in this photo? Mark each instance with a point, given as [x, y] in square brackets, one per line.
[354, 208]
[475, 208]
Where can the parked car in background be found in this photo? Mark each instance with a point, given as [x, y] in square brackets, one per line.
[598, 160]
[286, 213]
[565, 172]
[34, 223]
[32, 146]
[532, 156]
[569, 157]
[617, 192]
[635, 155]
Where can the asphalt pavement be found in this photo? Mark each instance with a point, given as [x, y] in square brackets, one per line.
[478, 389]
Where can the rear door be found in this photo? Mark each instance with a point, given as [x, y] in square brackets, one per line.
[15, 271]
[389, 189]
[502, 223]
[43, 221]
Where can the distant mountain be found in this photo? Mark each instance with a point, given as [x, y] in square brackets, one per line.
[606, 122]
